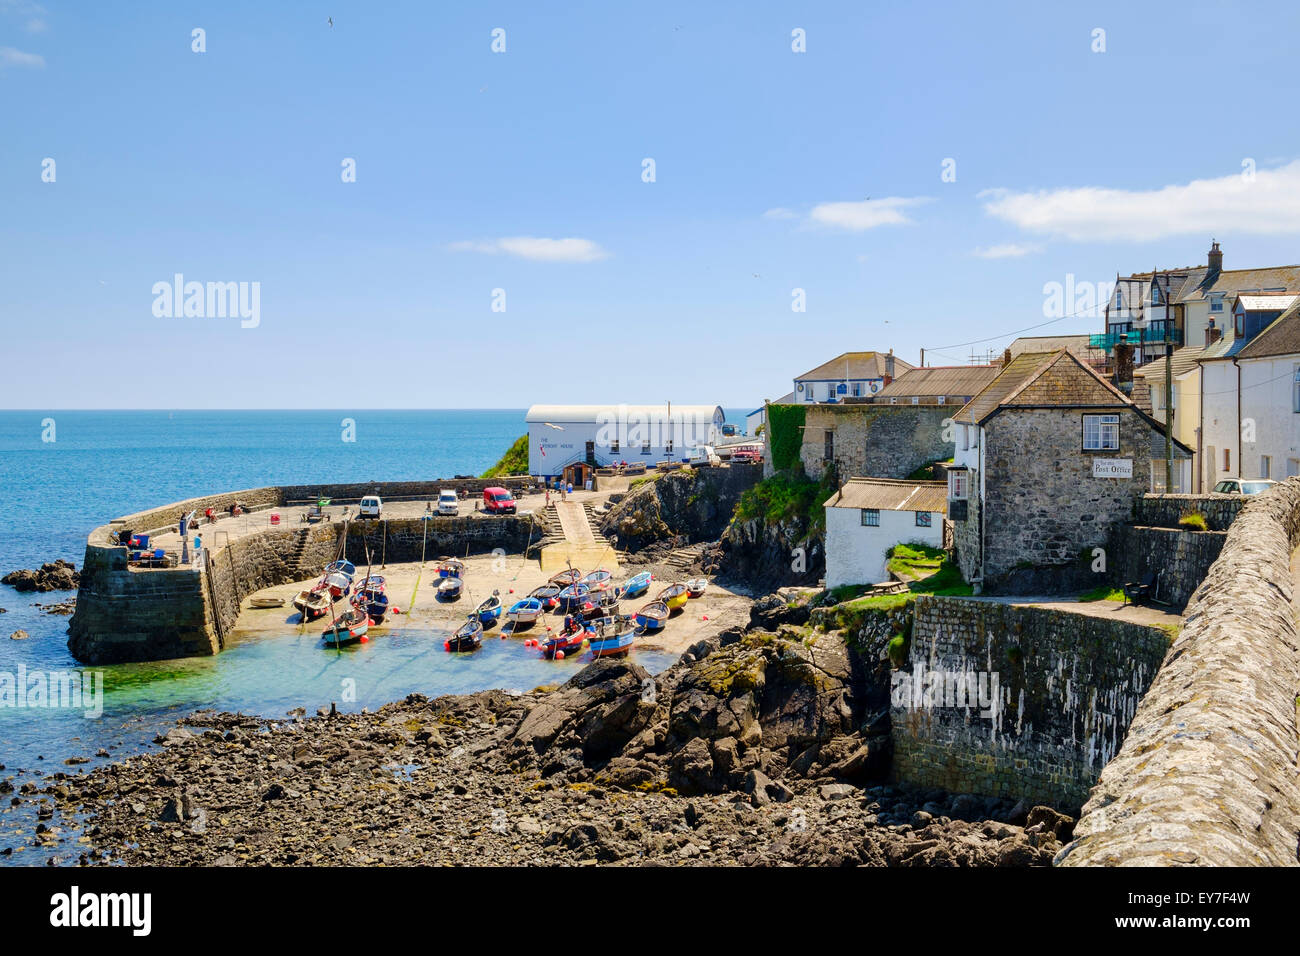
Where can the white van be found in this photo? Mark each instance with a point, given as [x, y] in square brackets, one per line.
[704, 455]
[371, 507]
[448, 503]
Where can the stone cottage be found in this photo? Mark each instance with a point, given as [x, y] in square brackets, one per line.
[1049, 459]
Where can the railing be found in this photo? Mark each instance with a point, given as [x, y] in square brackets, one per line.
[1152, 335]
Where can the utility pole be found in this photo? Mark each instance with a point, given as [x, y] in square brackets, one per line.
[1169, 400]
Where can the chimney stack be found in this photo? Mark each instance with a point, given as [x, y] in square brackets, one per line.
[1215, 259]
[1212, 334]
[1124, 366]
[1006, 356]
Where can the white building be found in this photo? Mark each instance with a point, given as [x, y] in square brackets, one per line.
[868, 516]
[850, 375]
[1250, 396]
[604, 435]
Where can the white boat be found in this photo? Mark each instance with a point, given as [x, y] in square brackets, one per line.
[449, 589]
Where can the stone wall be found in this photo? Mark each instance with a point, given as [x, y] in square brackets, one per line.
[1053, 693]
[1182, 557]
[1207, 773]
[876, 441]
[1163, 511]
[427, 490]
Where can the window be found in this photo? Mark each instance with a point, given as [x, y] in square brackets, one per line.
[1295, 391]
[958, 485]
[828, 450]
[1241, 325]
[923, 519]
[1100, 432]
[645, 448]
[1216, 303]
[613, 447]
[871, 517]
[857, 389]
[1292, 467]
[1265, 466]
[668, 447]
[940, 400]
[916, 399]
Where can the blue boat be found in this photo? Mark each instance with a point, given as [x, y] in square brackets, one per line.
[573, 597]
[652, 616]
[342, 567]
[524, 613]
[375, 603]
[637, 585]
[612, 641]
[469, 637]
[489, 612]
[451, 568]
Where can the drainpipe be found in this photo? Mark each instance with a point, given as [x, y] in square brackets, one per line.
[1241, 472]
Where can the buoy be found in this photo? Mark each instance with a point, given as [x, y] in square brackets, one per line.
[559, 655]
[503, 635]
[365, 640]
[446, 645]
[397, 610]
[704, 617]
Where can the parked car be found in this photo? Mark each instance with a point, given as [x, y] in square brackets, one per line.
[499, 501]
[1243, 486]
[448, 502]
[747, 455]
[372, 506]
[730, 430]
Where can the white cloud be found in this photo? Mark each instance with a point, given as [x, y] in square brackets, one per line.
[866, 214]
[536, 249]
[1005, 250]
[780, 212]
[11, 57]
[1267, 203]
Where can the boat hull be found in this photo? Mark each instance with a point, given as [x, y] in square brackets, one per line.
[615, 645]
[349, 629]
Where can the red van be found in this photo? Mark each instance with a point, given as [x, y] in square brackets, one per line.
[499, 501]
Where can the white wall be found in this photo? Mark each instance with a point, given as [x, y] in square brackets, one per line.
[1219, 420]
[565, 445]
[855, 554]
[1266, 401]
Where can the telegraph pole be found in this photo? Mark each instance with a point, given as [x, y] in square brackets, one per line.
[1169, 400]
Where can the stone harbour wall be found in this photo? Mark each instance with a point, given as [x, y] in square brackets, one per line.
[1207, 773]
[1016, 702]
[1163, 511]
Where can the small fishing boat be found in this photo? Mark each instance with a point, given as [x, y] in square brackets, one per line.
[338, 584]
[652, 617]
[638, 584]
[695, 587]
[548, 594]
[312, 603]
[342, 567]
[449, 589]
[600, 605]
[566, 643]
[468, 637]
[489, 610]
[566, 577]
[674, 596]
[574, 596]
[267, 602]
[348, 628]
[373, 582]
[374, 602]
[613, 641]
[598, 580]
[524, 613]
[451, 568]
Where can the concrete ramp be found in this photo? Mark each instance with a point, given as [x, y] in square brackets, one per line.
[580, 547]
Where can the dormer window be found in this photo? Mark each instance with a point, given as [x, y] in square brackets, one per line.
[1241, 325]
[1216, 302]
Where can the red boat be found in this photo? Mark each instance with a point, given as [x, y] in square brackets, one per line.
[566, 643]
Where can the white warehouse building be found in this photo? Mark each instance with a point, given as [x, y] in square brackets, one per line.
[606, 435]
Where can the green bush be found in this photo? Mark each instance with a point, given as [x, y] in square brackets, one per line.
[1194, 522]
[897, 650]
[513, 462]
[785, 427]
[787, 495]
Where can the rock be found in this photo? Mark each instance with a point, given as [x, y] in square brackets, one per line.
[177, 735]
[921, 819]
[837, 791]
[19, 635]
[51, 576]
[1046, 820]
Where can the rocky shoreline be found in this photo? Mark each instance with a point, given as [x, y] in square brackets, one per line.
[759, 747]
[57, 575]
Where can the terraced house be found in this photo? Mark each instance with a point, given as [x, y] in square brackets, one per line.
[1049, 457]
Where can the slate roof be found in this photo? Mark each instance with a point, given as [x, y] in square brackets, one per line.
[1080, 345]
[935, 380]
[852, 366]
[892, 495]
[1042, 379]
[1153, 372]
[1232, 281]
[1280, 337]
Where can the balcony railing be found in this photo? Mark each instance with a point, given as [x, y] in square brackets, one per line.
[1155, 334]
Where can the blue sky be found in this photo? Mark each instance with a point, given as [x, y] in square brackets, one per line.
[774, 171]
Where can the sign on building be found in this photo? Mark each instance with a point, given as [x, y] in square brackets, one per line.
[1112, 468]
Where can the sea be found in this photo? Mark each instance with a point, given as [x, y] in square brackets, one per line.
[64, 473]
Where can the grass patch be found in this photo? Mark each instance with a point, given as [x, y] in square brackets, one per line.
[1193, 522]
[785, 496]
[513, 462]
[1103, 593]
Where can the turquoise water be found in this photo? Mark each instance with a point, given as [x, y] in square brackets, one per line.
[105, 464]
